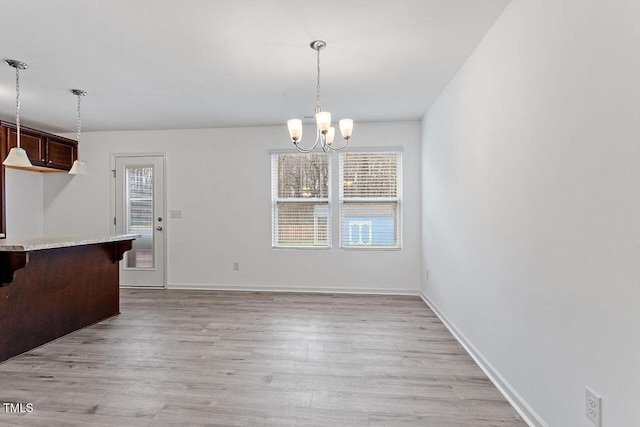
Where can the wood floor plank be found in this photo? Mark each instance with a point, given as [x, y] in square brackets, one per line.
[175, 358]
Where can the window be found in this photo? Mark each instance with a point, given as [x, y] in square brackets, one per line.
[300, 199]
[139, 215]
[371, 200]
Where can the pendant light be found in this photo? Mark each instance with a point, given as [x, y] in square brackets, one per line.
[17, 156]
[325, 133]
[78, 168]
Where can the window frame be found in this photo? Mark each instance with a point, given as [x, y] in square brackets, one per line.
[398, 199]
[276, 199]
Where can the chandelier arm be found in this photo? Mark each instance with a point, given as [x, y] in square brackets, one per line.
[331, 147]
[308, 150]
[325, 147]
[304, 150]
[323, 140]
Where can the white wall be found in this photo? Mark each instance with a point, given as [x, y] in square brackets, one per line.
[24, 203]
[220, 179]
[530, 211]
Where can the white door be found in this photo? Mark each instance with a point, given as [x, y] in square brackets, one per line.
[139, 209]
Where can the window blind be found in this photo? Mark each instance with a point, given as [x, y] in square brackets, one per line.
[139, 199]
[371, 200]
[300, 194]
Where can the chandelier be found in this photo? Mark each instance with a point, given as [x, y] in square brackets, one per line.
[79, 167]
[17, 156]
[325, 133]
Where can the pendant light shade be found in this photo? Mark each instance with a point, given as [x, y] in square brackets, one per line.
[17, 156]
[323, 119]
[295, 129]
[78, 168]
[331, 134]
[346, 128]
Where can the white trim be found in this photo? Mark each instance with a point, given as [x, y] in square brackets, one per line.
[266, 288]
[290, 151]
[350, 149]
[319, 201]
[366, 150]
[112, 206]
[125, 286]
[343, 201]
[112, 164]
[302, 200]
[518, 403]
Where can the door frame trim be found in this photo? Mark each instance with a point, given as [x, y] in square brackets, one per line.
[112, 204]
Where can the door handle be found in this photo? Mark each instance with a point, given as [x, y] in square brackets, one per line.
[159, 228]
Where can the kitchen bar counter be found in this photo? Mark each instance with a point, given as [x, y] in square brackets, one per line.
[39, 243]
[50, 287]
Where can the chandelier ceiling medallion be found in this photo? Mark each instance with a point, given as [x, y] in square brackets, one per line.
[325, 133]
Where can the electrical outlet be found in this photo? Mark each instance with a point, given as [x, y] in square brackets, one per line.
[236, 266]
[593, 407]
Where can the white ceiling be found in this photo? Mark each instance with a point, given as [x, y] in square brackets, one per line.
[173, 64]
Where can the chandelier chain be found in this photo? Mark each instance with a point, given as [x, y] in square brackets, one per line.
[18, 103]
[318, 107]
[79, 121]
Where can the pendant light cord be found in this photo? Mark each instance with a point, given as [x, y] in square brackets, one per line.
[18, 106]
[318, 107]
[79, 121]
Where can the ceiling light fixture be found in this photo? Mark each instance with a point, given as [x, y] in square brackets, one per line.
[17, 156]
[324, 132]
[78, 168]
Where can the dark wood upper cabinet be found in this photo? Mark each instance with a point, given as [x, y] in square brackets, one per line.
[47, 152]
[32, 143]
[60, 154]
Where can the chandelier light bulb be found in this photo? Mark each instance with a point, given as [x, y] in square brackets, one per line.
[323, 118]
[330, 135]
[295, 129]
[346, 128]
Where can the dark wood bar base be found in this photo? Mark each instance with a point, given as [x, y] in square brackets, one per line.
[57, 292]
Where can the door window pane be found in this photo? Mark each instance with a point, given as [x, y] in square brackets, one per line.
[139, 216]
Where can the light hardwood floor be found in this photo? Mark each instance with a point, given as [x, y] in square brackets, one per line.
[177, 358]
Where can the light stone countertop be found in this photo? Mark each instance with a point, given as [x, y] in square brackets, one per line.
[40, 243]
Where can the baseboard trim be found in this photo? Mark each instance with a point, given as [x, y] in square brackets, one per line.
[125, 286]
[322, 290]
[518, 403]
